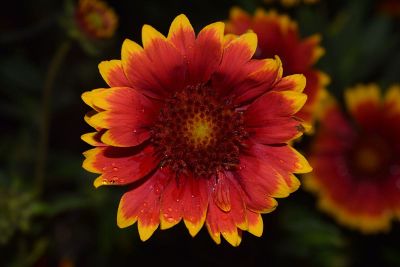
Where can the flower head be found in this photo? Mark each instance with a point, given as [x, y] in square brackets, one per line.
[279, 35]
[389, 7]
[292, 3]
[356, 160]
[96, 19]
[197, 129]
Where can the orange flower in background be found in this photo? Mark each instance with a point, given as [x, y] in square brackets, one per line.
[278, 35]
[292, 3]
[197, 129]
[96, 19]
[356, 159]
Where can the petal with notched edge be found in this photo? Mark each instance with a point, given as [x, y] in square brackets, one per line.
[142, 204]
[127, 115]
[113, 73]
[226, 222]
[206, 54]
[181, 34]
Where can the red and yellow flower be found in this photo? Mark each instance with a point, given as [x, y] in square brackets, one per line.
[96, 19]
[356, 159]
[389, 7]
[279, 35]
[292, 3]
[198, 130]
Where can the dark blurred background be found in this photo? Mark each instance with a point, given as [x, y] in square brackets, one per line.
[70, 223]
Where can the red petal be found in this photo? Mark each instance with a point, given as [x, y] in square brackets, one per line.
[277, 131]
[171, 211]
[263, 74]
[233, 68]
[206, 54]
[269, 119]
[142, 204]
[159, 69]
[255, 223]
[226, 222]
[181, 34]
[184, 197]
[127, 115]
[260, 182]
[119, 165]
[113, 73]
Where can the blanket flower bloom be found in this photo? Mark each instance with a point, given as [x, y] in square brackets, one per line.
[197, 129]
[279, 35]
[356, 159]
[96, 19]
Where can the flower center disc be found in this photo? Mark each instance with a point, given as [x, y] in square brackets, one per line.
[95, 19]
[371, 157]
[197, 133]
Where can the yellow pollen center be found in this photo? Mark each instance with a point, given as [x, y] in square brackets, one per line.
[368, 159]
[200, 130]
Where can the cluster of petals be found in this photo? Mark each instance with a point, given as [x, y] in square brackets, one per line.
[279, 35]
[356, 159]
[242, 106]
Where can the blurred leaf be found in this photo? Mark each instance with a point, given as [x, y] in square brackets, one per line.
[311, 235]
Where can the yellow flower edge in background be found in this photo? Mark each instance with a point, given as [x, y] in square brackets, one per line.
[198, 130]
[279, 35]
[356, 159]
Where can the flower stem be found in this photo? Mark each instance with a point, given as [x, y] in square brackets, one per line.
[50, 78]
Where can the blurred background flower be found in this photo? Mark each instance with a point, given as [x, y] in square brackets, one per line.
[279, 35]
[356, 161]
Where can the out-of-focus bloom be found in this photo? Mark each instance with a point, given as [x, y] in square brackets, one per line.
[197, 129]
[292, 3]
[279, 35]
[389, 7]
[96, 19]
[356, 159]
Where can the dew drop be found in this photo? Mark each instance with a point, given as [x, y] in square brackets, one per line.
[115, 169]
[169, 209]
[135, 131]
